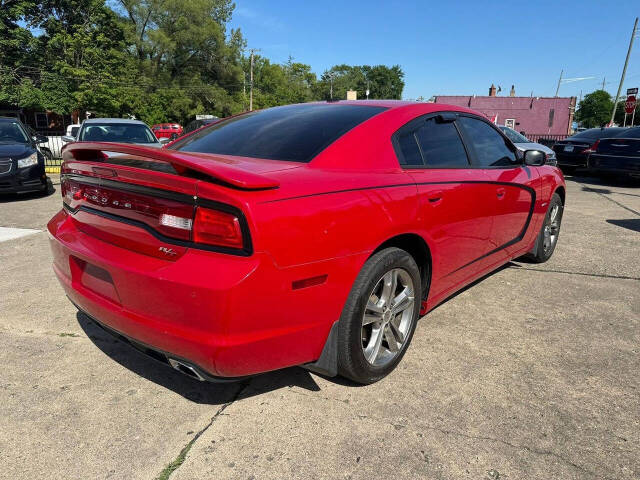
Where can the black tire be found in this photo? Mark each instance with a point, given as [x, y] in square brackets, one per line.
[352, 363]
[49, 189]
[542, 252]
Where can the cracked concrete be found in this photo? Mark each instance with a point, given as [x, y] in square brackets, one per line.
[530, 373]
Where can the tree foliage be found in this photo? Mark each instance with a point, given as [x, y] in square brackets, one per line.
[157, 60]
[595, 109]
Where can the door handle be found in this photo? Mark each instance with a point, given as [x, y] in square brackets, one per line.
[435, 197]
[500, 192]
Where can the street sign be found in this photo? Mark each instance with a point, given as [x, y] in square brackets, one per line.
[630, 104]
[632, 91]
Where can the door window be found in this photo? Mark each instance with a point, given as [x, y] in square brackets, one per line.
[490, 147]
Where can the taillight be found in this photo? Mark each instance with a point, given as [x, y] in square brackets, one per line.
[592, 148]
[171, 218]
[213, 227]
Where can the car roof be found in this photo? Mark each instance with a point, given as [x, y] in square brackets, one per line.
[113, 120]
[9, 119]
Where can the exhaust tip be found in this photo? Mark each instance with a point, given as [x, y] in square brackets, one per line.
[186, 369]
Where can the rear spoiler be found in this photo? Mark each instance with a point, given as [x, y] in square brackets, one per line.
[219, 170]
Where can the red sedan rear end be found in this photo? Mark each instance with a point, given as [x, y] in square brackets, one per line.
[299, 235]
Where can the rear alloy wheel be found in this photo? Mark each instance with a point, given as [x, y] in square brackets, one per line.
[548, 236]
[380, 316]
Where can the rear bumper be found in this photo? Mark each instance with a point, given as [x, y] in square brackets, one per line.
[26, 180]
[577, 160]
[229, 316]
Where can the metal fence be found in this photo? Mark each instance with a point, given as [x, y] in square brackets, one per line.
[51, 149]
[545, 139]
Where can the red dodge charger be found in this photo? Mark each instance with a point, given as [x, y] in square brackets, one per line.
[310, 235]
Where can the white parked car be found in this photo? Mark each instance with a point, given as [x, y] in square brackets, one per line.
[522, 143]
[72, 130]
[118, 130]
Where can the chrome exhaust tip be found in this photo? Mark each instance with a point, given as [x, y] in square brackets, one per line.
[186, 369]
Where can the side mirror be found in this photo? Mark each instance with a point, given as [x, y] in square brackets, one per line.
[68, 139]
[165, 140]
[534, 158]
[40, 138]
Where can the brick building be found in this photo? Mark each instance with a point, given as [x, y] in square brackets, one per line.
[536, 116]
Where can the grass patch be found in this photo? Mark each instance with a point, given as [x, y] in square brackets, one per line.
[170, 468]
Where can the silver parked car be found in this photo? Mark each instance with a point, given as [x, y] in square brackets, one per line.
[522, 143]
[118, 130]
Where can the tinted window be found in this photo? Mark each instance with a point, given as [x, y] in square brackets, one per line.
[74, 131]
[490, 147]
[441, 145]
[117, 132]
[630, 133]
[409, 147]
[295, 132]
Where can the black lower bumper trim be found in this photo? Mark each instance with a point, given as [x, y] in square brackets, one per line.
[159, 355]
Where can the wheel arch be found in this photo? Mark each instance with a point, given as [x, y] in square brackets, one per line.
[416, 246]
[561, 192]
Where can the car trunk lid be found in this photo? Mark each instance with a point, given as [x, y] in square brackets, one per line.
[150, 201]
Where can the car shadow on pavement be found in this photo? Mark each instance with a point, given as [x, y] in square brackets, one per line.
[15, 197]
[199, 392]
[632, 224]
[619, 181]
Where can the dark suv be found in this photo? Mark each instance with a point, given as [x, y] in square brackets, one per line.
[21, 162]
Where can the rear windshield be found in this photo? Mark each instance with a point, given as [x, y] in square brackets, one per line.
[117, 132]
[594, 133]
[295, 133]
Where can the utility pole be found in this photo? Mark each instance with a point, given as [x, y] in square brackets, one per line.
[603, 79]
[251, 83]
[624, 69]
[559, 82]
[331, 85]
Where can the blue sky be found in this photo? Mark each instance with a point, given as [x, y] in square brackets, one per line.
[454, 47]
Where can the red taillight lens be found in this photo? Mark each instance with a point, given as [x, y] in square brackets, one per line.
[171, 218]
[592, 148]
[213, 227]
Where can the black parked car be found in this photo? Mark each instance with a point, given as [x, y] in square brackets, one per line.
[572, 152]
[617, 156]
[21, 162]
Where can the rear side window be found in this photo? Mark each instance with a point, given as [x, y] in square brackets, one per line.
[410, 151]
[441, 145]
[431, 143]
[295, 133]
[490, 147]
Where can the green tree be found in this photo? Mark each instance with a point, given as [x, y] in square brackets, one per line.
[595, 109]
[383, 82]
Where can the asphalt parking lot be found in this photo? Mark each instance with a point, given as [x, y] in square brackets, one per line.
[530, 373]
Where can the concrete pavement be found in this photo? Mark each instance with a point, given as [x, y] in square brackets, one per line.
[530, 373]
